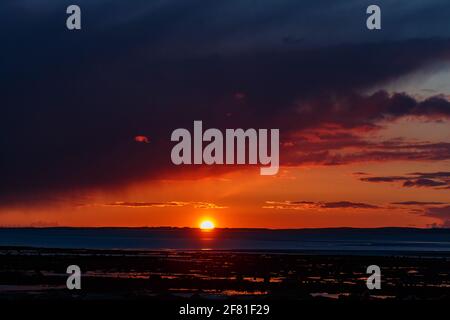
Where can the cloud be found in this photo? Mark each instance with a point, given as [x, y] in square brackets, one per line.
[384, 179]
[303, 205]
[346, 109]
[336, 145]
[347, 204]
[360, 173]
[432, 209]
[173, 70]
[424, 183]
[436, 180]
[207, 205]
[418, 203]
[441, 213]
[144, 204]
[433, 175]
[171, 204]
[36, 224]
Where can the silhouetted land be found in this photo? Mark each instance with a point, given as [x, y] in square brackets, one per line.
[40, 274]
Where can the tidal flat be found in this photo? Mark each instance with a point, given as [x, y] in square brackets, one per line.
[28, 273]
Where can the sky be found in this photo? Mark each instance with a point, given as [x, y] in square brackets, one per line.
[364, 116]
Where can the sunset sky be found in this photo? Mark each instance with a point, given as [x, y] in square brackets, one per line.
[364, 116]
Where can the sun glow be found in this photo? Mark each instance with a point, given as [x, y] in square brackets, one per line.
[207, 225]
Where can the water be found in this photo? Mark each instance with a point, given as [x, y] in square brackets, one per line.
[345, 240]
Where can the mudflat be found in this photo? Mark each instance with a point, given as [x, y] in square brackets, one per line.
[36, 273]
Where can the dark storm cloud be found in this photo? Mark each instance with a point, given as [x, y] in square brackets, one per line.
[199, 26]
[73, 102]
[351, 110]
[312, 146]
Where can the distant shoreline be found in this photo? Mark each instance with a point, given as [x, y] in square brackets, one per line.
[224, 229]
[385, 241]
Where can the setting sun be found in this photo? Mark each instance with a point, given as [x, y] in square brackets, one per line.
[207, 225]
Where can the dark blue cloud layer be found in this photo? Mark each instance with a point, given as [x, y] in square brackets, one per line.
[72, 102]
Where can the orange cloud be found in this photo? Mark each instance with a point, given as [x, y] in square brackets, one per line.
[170, 204]
[302, 205]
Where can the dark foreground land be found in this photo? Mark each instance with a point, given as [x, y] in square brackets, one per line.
[40, 274]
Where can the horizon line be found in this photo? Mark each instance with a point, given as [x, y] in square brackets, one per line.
[223, 228]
